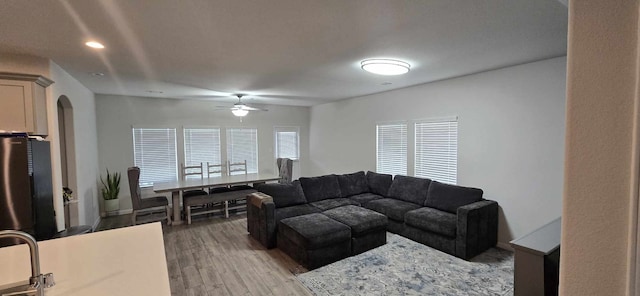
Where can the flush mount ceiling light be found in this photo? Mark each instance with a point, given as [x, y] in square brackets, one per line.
[94, 44]
[385, 66]
[239, 112]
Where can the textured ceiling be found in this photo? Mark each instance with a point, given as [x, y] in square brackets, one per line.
[292, 52]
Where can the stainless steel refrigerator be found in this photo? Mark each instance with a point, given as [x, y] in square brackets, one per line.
[26, 194]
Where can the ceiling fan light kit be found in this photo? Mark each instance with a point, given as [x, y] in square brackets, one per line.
[385, 66]
[239, 112]
[240, 109]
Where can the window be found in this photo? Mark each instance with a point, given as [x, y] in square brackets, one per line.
[202, 145]
[437, 150]
[154, 152]
[391, 155]
[242, 144]
[287, 142]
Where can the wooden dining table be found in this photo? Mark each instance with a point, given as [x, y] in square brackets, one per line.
[175, 187]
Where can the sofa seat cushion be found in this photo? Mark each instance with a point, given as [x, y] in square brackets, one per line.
[293, 211]
[409, 189]
[392, 208]
[314, 231]
[365, 198]
[328, 204]
[432, 220]
[284, 195]
[352, 184]
[449, 198]
[320, 188]
[360, 220]
[379, 183]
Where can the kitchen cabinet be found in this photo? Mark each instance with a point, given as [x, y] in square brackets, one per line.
[23, 105]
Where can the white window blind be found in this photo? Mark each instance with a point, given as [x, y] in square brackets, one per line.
[202, 145]
[437, 150]
[242, 144]
[154, 152]
[391, 150]
[287, 142]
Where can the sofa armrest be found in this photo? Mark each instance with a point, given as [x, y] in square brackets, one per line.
[261, 221]
[477, 228]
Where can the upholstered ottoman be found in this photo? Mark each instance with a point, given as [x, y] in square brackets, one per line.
[314, 240]
[368, 228]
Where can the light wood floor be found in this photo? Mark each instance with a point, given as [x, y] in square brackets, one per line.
[216, 256]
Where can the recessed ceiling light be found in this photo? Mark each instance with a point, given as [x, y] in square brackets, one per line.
[94, 44]
[97, 74]
[385, 66]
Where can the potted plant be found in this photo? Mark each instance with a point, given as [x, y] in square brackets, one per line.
[110, 191]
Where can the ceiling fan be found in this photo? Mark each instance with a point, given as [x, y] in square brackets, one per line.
[241, 109]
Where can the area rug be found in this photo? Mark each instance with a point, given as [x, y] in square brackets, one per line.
[405, 267]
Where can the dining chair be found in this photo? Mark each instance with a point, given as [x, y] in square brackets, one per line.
[194, 170]
[149, 209]
[239, 168]
[214, 169]
[285, 170]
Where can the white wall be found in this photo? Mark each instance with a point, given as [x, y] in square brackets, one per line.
[510, 140]
[86, 144]
[117, 114]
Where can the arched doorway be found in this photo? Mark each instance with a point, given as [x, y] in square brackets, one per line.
[68, 158]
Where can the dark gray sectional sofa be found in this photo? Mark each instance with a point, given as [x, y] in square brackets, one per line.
[453, 219]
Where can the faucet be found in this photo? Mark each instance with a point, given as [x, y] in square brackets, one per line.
[37, 281]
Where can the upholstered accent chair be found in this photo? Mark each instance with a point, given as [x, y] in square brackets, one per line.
[149, 209]
[285, 170]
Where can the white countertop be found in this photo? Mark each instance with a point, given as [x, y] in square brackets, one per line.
[125, 261]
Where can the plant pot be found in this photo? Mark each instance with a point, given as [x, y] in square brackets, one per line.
[111, 205]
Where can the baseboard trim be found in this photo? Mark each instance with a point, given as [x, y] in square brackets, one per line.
[125, 212]
[117, 213]
[96, 223]
[505, 246]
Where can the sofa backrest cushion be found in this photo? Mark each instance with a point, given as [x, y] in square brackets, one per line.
[411, 189]
[353, 184]
[379, 183]
[449, 198]
[320, 188]
[284, 195]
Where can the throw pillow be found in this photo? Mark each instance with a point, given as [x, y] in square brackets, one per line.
[352, 184]
[284, 195]
[449, 198]
[379, 183]
[409, 189]
[320, 188]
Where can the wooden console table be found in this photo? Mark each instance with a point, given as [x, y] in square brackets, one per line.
[537, 261]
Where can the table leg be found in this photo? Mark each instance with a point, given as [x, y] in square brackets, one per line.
[177, 219]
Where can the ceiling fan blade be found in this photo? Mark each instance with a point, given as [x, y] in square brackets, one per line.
[245, 107]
